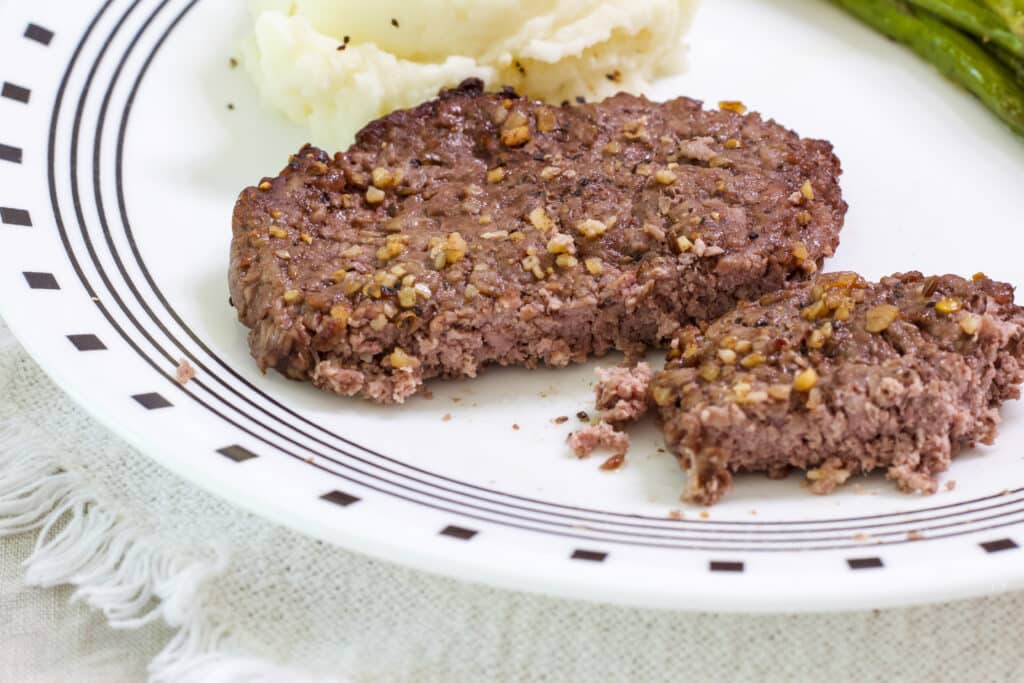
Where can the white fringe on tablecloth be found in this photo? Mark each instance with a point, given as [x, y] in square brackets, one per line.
[115, 565]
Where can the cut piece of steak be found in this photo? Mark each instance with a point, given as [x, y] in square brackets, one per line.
[620, 393]
[485, 228]
[838, 376]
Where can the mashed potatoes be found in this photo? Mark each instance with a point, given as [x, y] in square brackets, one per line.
[334, 65]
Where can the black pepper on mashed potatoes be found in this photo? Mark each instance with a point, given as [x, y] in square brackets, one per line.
[334, 65]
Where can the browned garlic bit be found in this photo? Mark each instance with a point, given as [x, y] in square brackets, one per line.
[515, 131]
[592, 228]
[549, 172]
[539, 219]
[970, 323]
[400, 359]
[826, 478]
[560, 244]
[733, 106]
[805, 380]
[545, 120]
[384, 179]
[880, 317]
[665, 177]
[807, 190]
[374, 195]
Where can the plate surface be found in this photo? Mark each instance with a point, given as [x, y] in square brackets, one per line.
[120, 160]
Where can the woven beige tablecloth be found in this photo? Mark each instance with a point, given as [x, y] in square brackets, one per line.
[200, 591]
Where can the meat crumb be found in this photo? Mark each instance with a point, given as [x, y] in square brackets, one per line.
[951, 484]
[446, 417]
[861, 537]
[582, 416]
[676, 514]
[515, 426]
[621, 393]
[914, 535]
[560, 420]
[589, 439]
[614, 462]
[185, 372]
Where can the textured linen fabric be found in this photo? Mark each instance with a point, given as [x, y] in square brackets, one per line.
[43, 637]
[286, 607]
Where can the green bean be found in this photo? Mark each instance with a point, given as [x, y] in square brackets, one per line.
[976, 20]
[1015, 63]
[1011, 11]
[954, 54]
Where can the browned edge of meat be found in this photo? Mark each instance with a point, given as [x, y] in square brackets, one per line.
[838, 377]
[483, 228]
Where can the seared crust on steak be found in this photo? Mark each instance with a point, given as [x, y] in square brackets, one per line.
[838, 376]
[485, 228]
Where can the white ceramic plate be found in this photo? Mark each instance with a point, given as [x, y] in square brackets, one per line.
[119, 165]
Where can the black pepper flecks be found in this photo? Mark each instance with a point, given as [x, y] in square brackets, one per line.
[233, 63]
[580, 99]
[231, 107]
[394, 22]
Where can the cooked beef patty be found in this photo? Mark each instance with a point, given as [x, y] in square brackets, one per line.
[838, 376]
[486, 228]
